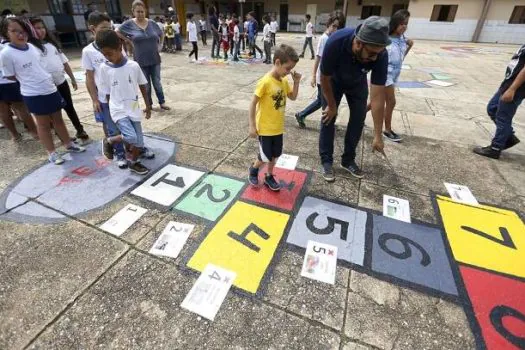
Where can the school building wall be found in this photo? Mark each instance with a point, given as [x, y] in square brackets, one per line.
[497, 27]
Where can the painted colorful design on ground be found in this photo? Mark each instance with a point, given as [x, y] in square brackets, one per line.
[475, 257]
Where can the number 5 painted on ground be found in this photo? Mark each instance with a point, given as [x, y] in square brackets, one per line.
[329, 228]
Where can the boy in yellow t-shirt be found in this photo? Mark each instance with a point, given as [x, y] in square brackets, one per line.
[267, 112]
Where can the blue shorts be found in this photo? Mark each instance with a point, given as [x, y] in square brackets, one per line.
[393, 75]
[10, 92]
[131, 132]
[45, 104]
[270, 147]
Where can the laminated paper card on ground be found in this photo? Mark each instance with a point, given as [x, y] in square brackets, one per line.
[320, 262]
[287, 161]
[209, 291]
[172, 239]
[396, 208]
[461, 194]
[121, 221]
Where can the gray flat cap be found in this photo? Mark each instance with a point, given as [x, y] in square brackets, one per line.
[374, 30]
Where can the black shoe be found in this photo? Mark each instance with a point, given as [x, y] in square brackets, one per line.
[107, 149]
[328, 173]
[300, 121]
[353, 169]
[511, 142]
[301, 56]
[83, 136]
[269, 181]
[254, 176]
[313, 58]
[392, 136]
[487, 151]
[138, 168]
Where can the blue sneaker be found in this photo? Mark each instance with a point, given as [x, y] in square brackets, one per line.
[55, 158]
[75, 148]
[269, 180]
[353, 169]
[254, 176]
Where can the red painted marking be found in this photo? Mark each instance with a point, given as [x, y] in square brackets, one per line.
[102, 162]
[83, 171]
[330, 252]
[284, 199]
[488, 291]
[68, 180]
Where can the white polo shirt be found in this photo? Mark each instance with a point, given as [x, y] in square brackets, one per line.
[26, 65]
[53, 61]
[121, 83]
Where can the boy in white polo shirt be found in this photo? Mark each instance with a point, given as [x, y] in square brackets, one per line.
[92, 59]
[309, 37]
[120, 80]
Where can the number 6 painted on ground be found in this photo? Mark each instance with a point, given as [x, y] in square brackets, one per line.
[406, 242]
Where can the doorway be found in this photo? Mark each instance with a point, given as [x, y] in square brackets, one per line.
[283, 17]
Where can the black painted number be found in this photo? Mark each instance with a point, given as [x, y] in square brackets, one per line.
[215, 276]
[209, 192]
[407, 251]
[505, 240]
[496, 318]
[329, 228]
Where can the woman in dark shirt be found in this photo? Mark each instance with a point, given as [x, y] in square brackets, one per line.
[214, 27]
[147, 38]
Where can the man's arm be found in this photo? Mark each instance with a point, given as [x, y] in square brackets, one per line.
[377, 100]
[144, 92]
[253, 108]
[316, 67]
[92, 90]
[128, 44]
[331, 109]
[508, 96]
[410, 43]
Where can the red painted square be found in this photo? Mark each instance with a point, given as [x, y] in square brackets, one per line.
[490, 295]
[292, 181]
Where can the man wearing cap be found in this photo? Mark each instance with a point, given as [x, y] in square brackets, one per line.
[348, 56]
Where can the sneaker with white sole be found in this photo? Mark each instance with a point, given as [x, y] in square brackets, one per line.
[75, 148]
[353, 169]
[138, 168]
[107, 149]
[271, 183]
[122, 163]
[147, 153]
[56, 158]
[392, 136]
[328, 172]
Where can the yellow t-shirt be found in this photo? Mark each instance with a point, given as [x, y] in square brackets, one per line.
[272, 95]
[170, 30]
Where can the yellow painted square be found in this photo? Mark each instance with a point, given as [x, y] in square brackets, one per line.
[474, 249]
[220, 249]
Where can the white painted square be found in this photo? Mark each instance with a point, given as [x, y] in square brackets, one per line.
[396, 208]
[461, 194]
[165, 192]
[209, 291]
[121, 221]
[320, 262]
[439, 83]
[287, 161]
[172, 239]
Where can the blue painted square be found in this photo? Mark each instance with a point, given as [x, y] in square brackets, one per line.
[413, 253]
[411, 85]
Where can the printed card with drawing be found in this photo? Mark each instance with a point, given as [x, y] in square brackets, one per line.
[461, 194]
[439, 83]
[396, 208]
[287, 161]
[320, 262]
[121, 221]
[172, 239]
[209, 291]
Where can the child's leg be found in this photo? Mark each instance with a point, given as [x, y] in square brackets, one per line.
[390, 102]
[7, 120]
[65, 91]
[60, 127]
[196, 49]
[43, 125]
[274, 149]
[22, 113]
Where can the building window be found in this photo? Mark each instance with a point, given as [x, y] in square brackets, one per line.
[518, 15]
[368, 11]
[398, 7]
[444, 13]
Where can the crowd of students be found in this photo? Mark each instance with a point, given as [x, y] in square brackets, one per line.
[32, 81]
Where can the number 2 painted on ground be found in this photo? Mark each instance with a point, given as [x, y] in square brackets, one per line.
[209, 192]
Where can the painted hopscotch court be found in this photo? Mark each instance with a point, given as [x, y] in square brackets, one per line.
[474, 257]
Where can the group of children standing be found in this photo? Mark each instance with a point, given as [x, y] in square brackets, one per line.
[32, 81]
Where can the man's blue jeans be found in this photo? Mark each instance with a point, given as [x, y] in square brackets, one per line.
[356, 97]
[501, 114]
[314, 106]
[152, 74]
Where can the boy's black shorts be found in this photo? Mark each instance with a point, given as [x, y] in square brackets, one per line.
[270, 147]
